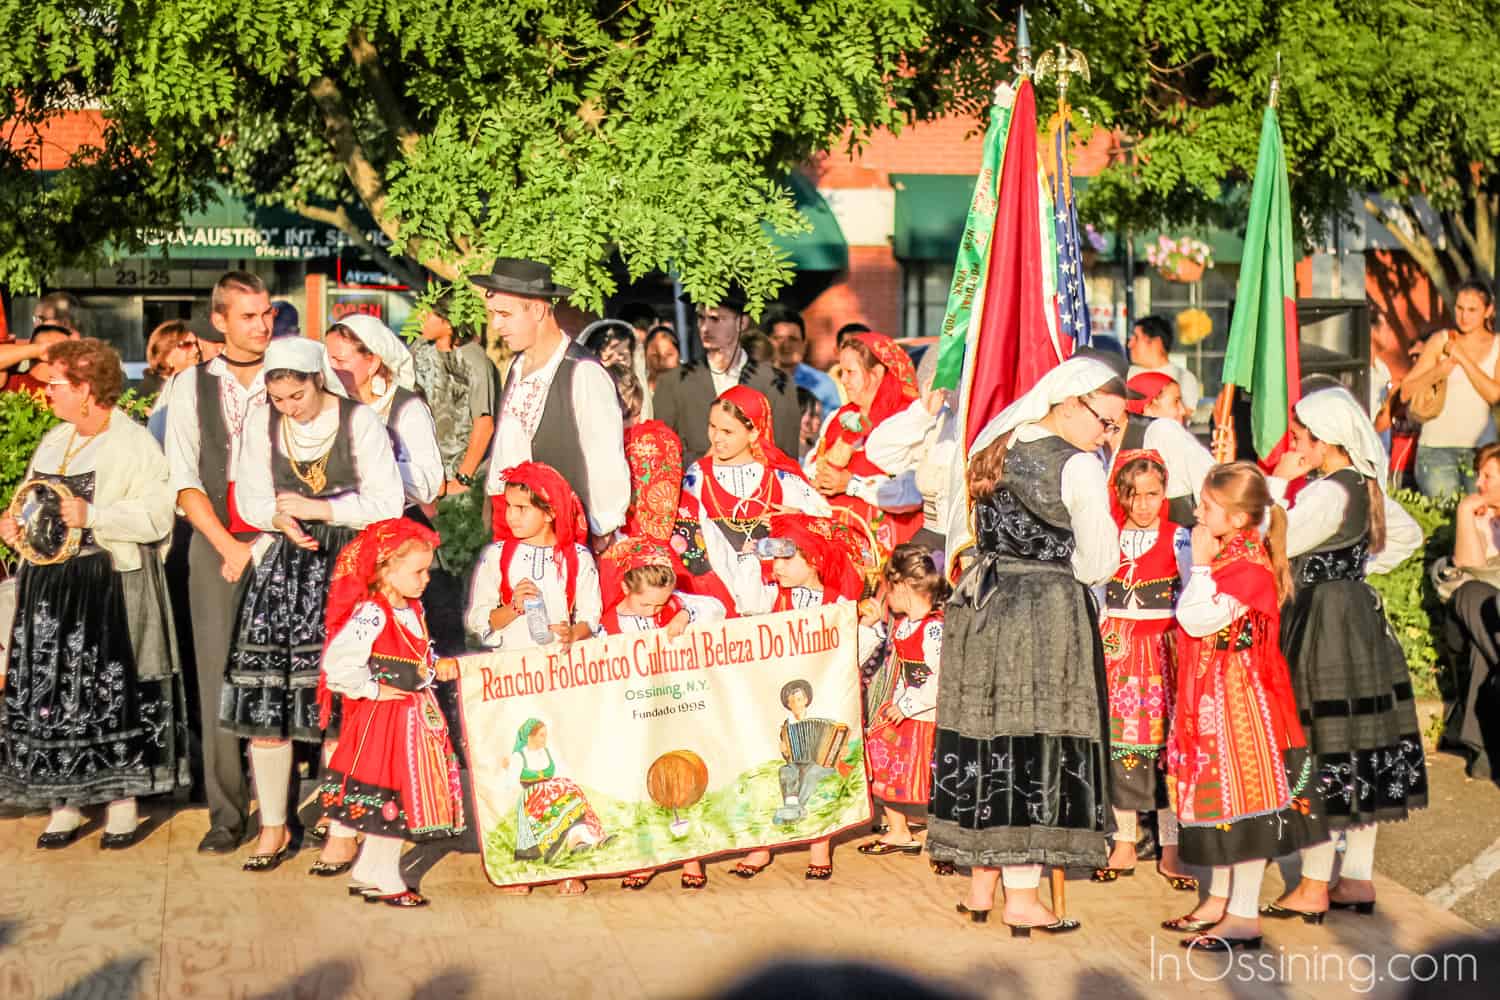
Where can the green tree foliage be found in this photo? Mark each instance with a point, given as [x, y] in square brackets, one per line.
[1389, 97]
[644, 131]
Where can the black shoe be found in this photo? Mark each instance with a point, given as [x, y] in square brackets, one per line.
[1064, 925]
[329, 869]
[57, 841]
[268, 862]
[121, 841]
[1212, 942]
[1364, 909]
[1278, 912]
[219, 840]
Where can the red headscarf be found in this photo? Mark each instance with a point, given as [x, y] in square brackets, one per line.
[1149, 454]
[654, 454]
[757, 410]
[547, 485]
[354, 575]
[1145, 387]
[831, 549]
[633, 553]
[898, 387]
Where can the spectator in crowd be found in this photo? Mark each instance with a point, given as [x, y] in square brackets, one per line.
[171, 348]
[757, 345]
[812, 423]
[788, 336]
[641, 317]
[1149, 344]
[14, 355]
[1473, 625]
[462, 389]
[1451, 388]
[662, 354]
[58, 309]
[840, 337]
[286, 323]
[1397, 427]
[559, 405]
[683, 400]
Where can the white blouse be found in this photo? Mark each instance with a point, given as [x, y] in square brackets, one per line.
[1135, 543]
[1085, 494]
[534, 563]
[346, 658]
[920, 702]
[1319, 510]
[1201, 609]
[379, 497]
[416, 450]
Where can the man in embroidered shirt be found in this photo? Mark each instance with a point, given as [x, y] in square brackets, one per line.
[201, 454]
[558, 405]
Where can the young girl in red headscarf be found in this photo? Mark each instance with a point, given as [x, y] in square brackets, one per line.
[854, 466]
[538, 552]
[640, 577]
[730, 495]
[1156, 395]
[394, 776]
[819, 561]
[1140, 658]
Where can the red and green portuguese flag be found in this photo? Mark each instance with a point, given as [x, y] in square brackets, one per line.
[1262, 356]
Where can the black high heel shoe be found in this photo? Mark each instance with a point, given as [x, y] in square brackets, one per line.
[1363, 909]
[1212, 942]
[57, 841]
[1064, 925]
[1278, 912]
[977, 916]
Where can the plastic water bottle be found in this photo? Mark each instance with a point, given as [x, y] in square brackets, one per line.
[536, 621]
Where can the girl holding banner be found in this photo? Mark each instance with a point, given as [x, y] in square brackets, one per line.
[730, 494]
[534, 585]
[1023, 736]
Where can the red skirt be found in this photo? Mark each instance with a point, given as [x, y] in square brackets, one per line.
[899, 759]
[394, 773]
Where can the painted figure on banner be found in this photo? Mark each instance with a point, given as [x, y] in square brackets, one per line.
[812, 748]
[552, 814]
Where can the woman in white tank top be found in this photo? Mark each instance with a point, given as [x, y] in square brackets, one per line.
[1468, 359]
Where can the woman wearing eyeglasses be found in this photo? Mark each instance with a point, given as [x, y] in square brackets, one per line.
[171, 348]
[93, 707]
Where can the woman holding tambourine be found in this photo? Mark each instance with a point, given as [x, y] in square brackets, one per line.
[93, 706]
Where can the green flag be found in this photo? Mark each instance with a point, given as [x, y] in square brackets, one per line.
[972, 263]
[1262, 356]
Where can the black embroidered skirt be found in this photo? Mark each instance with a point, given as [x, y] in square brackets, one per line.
[271, 680]
[1021, 762]
[93, 707]
[1354, 696]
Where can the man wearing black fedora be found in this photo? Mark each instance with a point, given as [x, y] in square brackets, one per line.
[558, 405]
[683, 396]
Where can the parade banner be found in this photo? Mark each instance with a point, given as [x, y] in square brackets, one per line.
[632, 751]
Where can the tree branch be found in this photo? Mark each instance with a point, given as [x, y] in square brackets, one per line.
[367, 181]
[340, 220]
[1419, 246]
[386, 101]
[1451, 222]
[1486, 210]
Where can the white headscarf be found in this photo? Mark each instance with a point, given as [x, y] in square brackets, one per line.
[1074, 377]
[390, 348]
[299, 354]
[1334, 416]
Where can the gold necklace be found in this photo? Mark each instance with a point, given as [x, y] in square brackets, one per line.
[70, 452]
[316, 476]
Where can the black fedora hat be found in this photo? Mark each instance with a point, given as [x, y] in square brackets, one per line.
[521, 277]
[734, 297]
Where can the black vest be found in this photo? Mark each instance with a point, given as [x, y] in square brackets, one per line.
[213, 443]
[558, 441]
[1183, 510]
[339, 473]
[1342, 556]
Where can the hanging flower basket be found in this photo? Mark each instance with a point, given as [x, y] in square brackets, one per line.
[1182, 260]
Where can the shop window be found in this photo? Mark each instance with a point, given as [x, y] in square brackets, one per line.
[924, 296]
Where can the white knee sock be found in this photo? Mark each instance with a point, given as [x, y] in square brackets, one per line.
[121, 816]
[1218, 885]
[272, 769]
[337, 829]
[1244, 896]
[1317, 861]
[64, 820]
[1359, 852]
[1021, 876]
[379, 864]
[1166, 827]
[1128, 825]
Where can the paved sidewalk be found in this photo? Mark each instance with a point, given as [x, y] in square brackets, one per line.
[162, 921]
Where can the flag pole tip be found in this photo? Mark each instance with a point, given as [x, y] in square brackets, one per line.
[1023, 44]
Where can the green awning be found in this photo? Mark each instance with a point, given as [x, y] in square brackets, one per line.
[931, 210]
[823, 249]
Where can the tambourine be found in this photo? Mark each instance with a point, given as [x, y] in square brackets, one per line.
[37, 508]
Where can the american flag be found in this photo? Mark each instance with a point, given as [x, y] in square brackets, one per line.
[1072, 295]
